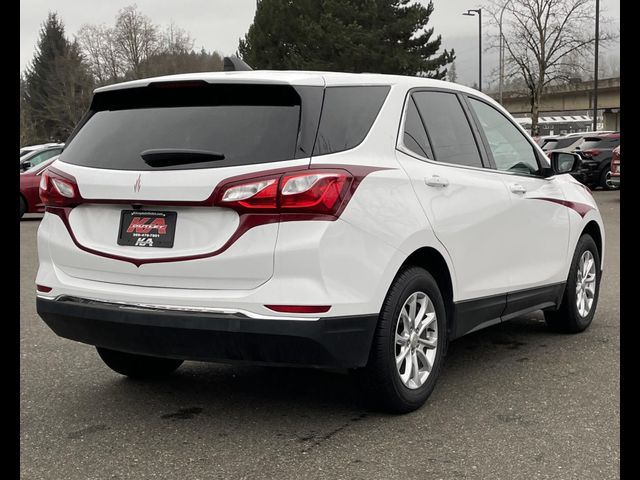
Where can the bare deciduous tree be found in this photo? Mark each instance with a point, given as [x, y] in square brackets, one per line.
[99, 48]
[136, 38]
[136, 48]
[543, 40]
[176, 40]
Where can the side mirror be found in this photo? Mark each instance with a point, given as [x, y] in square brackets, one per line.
[564, 162]
[24, 166]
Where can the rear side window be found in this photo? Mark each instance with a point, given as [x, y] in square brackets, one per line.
[245, 124]
[448, 128]
[347, 116]
[415, 136]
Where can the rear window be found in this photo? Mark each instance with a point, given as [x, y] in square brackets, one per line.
[602, 143]
[247, 124]
[567, 142]
[347, 116]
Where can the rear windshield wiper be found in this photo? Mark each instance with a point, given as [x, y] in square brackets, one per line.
[168, 157]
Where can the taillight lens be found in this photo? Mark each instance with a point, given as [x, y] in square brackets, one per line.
[592, 152]
[57, 190]
[310, 191]
[319, 192]
[252, 195]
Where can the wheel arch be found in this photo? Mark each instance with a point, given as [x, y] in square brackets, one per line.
[26, 202]
[593, 229]
[434, 262]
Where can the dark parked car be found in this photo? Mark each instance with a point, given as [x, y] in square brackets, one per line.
[596, 152]
[29, 182]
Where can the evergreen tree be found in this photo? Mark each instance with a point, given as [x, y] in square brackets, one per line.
[383, 36]
[452, 74]
[57, 86]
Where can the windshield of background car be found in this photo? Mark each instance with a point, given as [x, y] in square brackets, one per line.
[247, 124]
[41, 166]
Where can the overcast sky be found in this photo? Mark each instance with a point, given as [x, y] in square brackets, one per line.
[218, 24]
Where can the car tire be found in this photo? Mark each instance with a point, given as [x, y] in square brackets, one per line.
[137, 366]
[571, 317]
[603, 179]
[23, 206]
[381, 380]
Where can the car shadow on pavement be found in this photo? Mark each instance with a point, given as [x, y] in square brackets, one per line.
[205, 389]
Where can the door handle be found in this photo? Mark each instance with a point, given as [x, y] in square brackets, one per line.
[436, 181]
[517, 188]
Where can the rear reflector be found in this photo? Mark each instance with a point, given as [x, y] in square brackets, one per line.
[43, 289]
[299, 308]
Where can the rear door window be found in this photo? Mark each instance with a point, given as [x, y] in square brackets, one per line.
[347, 116]
[415, 136]
[246, 124]
[448, 128]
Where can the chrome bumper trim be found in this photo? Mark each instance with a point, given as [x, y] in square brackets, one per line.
[232, 312]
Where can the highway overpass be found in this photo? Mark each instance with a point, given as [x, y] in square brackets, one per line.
[576, 97]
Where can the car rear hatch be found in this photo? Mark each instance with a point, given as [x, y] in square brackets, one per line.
[146, 162]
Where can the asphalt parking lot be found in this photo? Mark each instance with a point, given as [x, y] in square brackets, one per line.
[514, 402]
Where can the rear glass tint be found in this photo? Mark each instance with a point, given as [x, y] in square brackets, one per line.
[248, 124]
[567, 142]
[347, 116]
[602, 143]
[591, 143]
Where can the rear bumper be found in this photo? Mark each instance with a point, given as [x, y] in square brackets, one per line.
[338, 342]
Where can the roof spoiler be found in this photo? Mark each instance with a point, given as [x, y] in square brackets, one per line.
[233, 64]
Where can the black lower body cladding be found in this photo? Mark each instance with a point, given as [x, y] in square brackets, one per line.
[339, 342]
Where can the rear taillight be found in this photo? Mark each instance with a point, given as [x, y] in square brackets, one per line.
[615, 163]
[57, 190]
[310, 191]
[592, 152]
[254, 195]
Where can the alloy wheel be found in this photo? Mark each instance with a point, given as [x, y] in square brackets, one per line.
[416, 340]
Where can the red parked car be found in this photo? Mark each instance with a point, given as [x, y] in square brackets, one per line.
[29, 182]
[613, 179]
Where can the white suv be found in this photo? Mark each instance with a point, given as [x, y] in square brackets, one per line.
[308, 218]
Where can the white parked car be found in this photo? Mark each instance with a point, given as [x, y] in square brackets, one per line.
[320, 219]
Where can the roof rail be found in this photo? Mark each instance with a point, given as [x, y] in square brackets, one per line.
[232, 64]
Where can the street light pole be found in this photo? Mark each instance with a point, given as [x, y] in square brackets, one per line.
[501, 65]
[501, 55]
[471, 13]
[595, 73]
